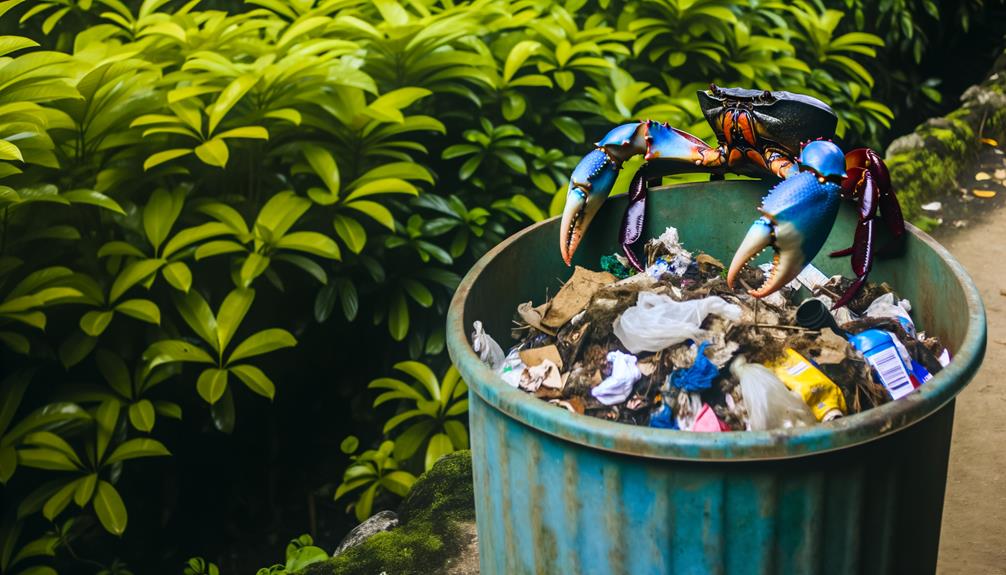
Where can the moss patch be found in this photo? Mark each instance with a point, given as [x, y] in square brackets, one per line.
[428, 534]
[926, 164]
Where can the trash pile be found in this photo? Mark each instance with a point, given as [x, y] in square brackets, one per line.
[673, 347]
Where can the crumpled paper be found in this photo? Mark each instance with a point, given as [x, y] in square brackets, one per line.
[545, 374]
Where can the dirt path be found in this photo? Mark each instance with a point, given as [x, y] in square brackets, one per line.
[974, 517]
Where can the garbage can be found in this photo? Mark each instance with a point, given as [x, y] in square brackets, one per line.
[561, 493]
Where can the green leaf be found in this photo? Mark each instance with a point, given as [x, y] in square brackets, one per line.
[351, 232]
[131, 275]
[254, 265]
[115, 372]
[232, 313]
[198, 315]
[398, 482]
[213, 152]
[439, 446]
[570, 127]
[141, 415]
[379, 213]
[8, 463]
[107, 419]
[211, 384]
[418, 292]
[398, 316]
[365, 503]
[423, 374]
[247, 132]
[174, 350]
[312, 243]
[218, 247]
[16, 342]
[517, 57]
[58, 502]
[255, 379]
[75, 348]
[137, 448]
[165, 156]
[388, 107]
[119, 248]
[262, 342]
[45, 459]
[94, 198]
[382, 186]
[85, 489]
[281, 212]
[324, 166]
[49, 440]
[189, 236]
[457, 432]
[141, 309]
[94, 322]
[228, 98]
[110, 509]
[306, 264]
[349, 445]
[178, 275]
[408, 442]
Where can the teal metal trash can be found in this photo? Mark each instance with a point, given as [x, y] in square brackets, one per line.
[560, 493]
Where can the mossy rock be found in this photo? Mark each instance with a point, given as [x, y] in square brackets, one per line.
[927, 163]
[431, 529]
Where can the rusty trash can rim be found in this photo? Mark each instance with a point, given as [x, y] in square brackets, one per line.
[657, 443]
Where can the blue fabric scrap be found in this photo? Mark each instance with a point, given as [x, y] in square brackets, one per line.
[663, 419]
[699, 376]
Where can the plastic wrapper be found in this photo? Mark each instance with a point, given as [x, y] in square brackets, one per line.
[512, 367]
[489, 351]
[821, 394]
[770, 405]
[887, 306]
[617, 387]
[657, 321]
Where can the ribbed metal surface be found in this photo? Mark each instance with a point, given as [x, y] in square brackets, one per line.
[545, 505]
[563, 493]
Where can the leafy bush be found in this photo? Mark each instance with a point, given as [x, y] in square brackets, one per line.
[175, 180]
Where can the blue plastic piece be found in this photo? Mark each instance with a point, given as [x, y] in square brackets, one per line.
[664, 418]
[879, 349]
[699, 376]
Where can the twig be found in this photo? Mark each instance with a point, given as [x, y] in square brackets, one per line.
[792, 327]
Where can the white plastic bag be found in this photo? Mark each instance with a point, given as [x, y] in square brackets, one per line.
[885, 306]
[617, 387]
[657, 321]
[489, 351]
[770, 405]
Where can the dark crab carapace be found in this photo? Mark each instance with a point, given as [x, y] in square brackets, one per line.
[758, 133]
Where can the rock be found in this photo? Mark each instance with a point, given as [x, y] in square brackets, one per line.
[383, 521]
[435, 534]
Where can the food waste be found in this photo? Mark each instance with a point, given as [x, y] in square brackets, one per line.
[674, 347]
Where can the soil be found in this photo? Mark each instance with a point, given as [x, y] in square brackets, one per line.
[975, 507]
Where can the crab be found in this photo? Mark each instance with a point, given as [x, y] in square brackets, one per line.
[759, 133]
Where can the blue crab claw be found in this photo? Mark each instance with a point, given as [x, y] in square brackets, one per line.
[797, 216]
[589, 186]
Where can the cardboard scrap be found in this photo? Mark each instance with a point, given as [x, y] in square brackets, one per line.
[575, 295]
[533, 316]
[534, 356]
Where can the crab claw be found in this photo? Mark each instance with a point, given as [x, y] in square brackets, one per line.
[589, 186]
[797, 216]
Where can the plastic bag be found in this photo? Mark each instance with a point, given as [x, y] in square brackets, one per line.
[770, 405]
[489, 351]
[512, 368]
[657, 321]
[885, 306]
[617, 387]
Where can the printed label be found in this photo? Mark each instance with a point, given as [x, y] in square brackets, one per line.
[891, 371]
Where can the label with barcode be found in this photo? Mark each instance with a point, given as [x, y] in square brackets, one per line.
[891, 371]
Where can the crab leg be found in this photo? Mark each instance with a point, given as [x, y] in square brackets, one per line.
[667, 150]
[869, 184]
